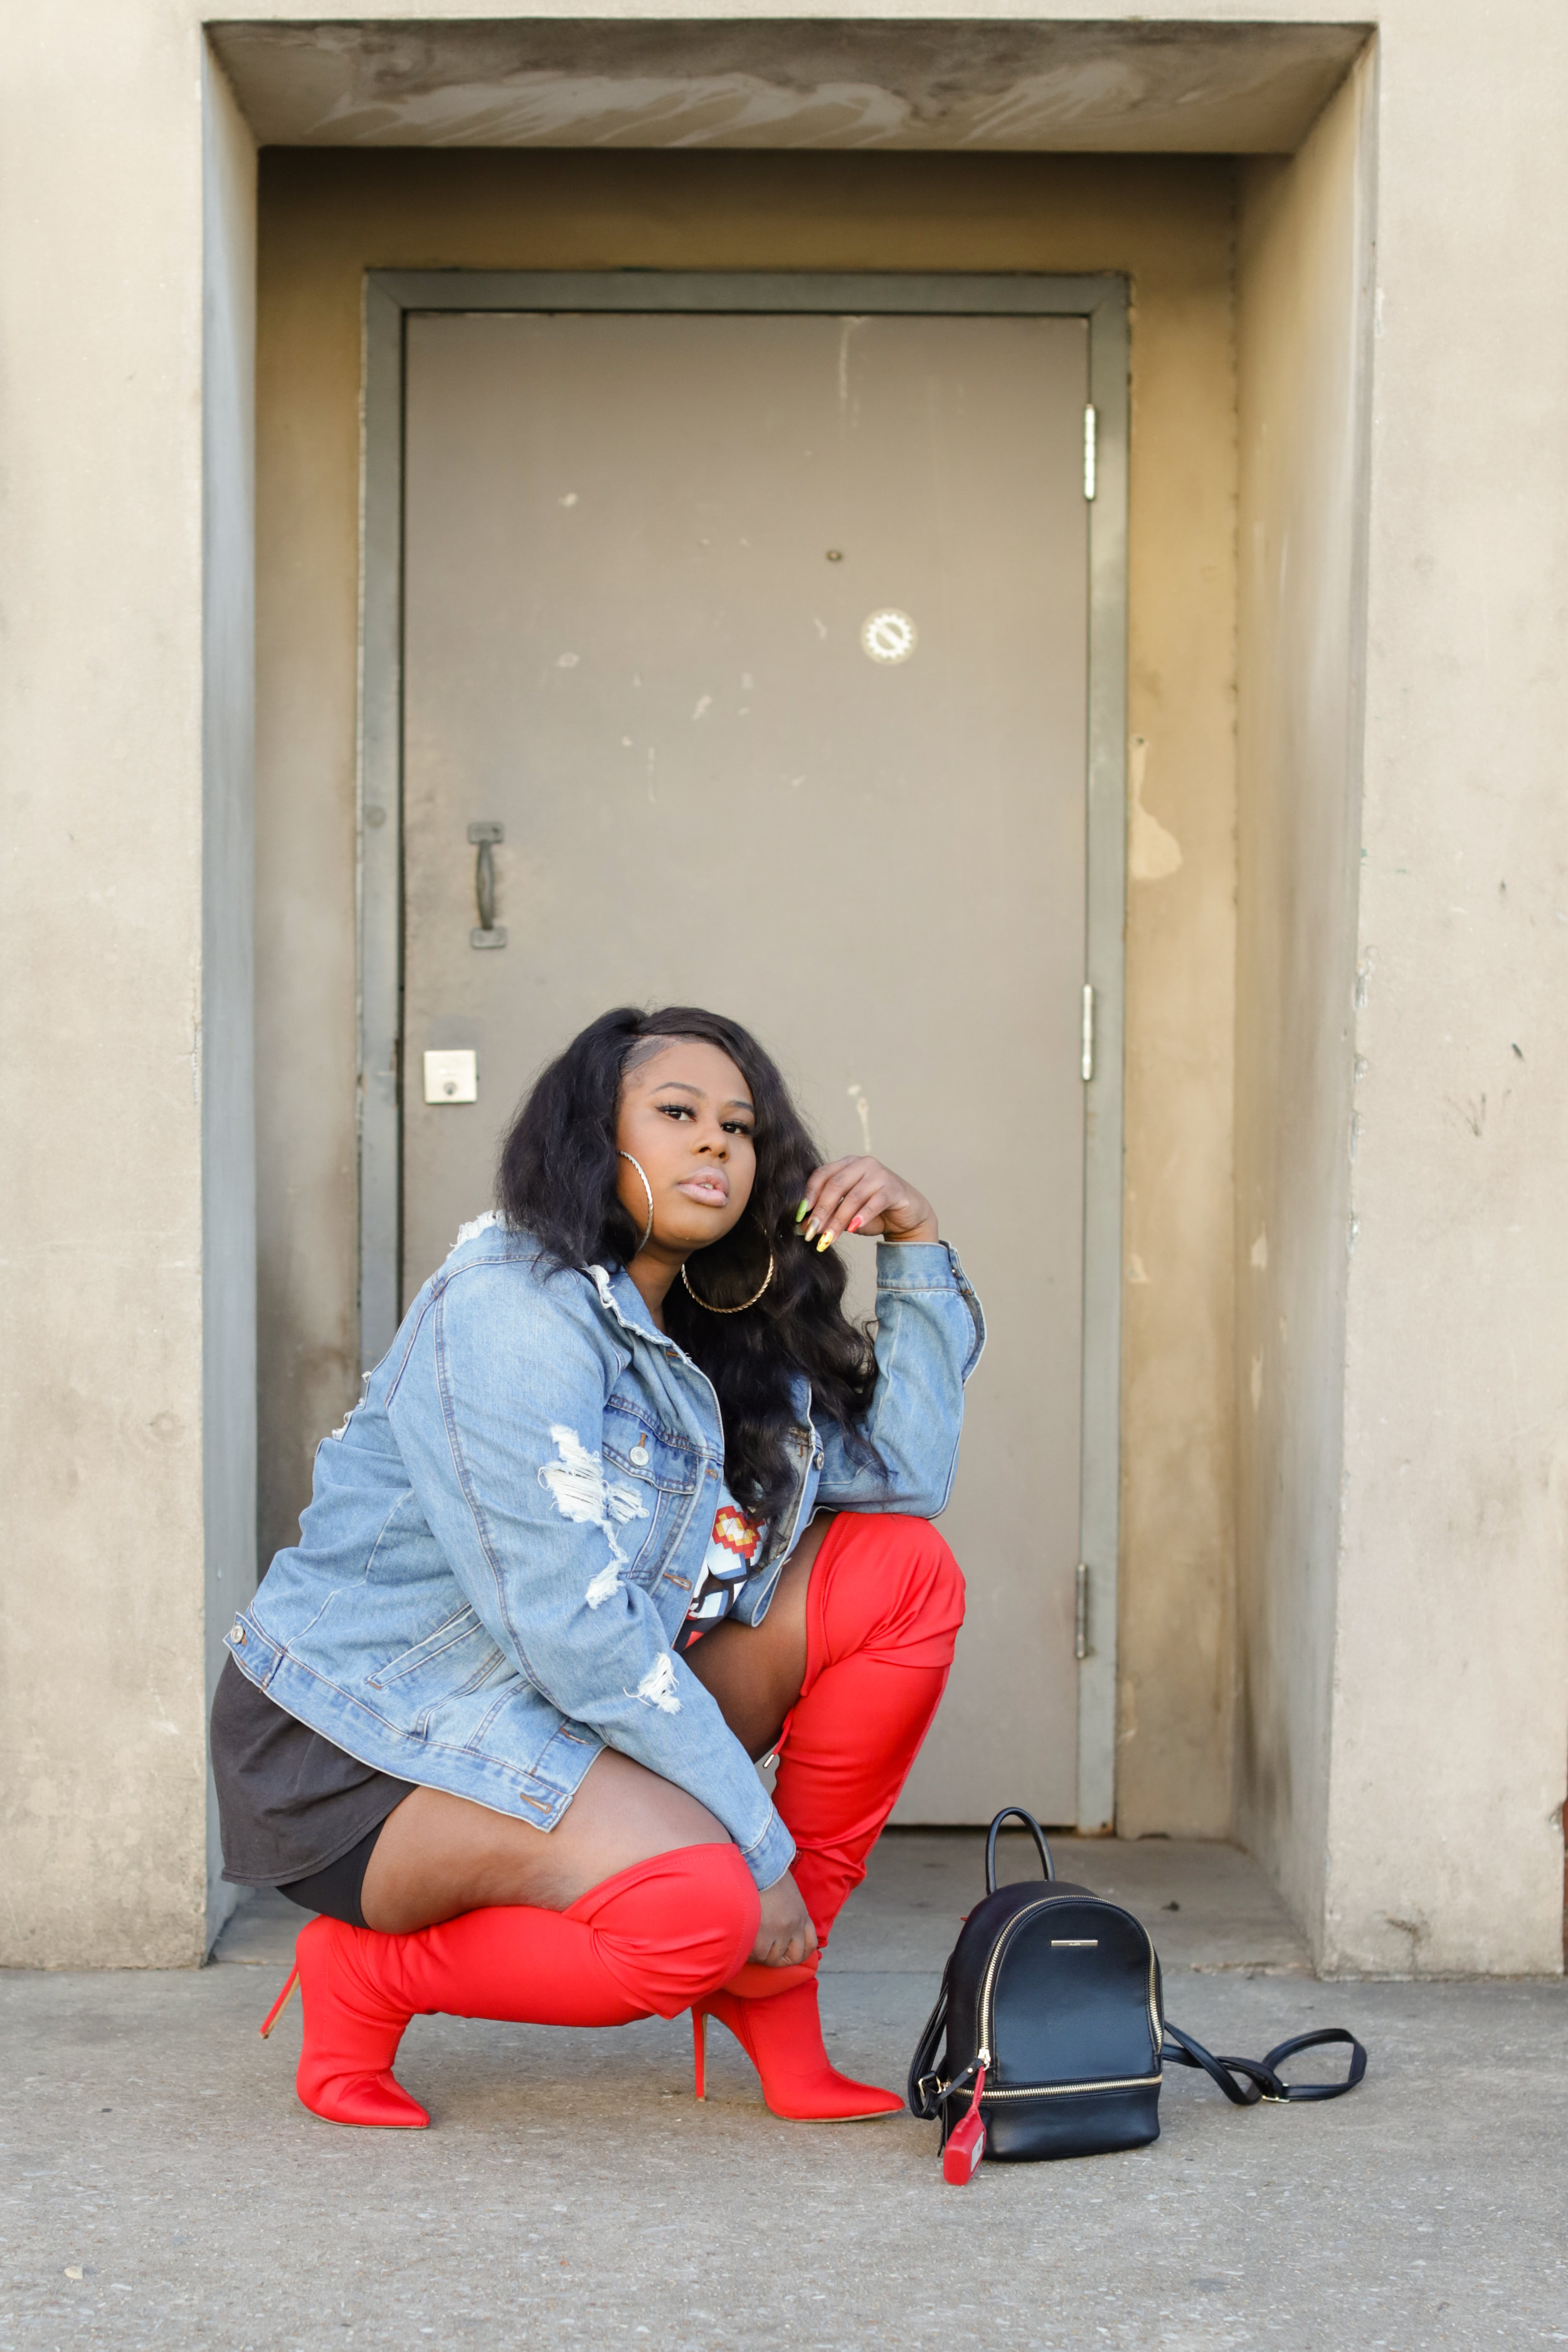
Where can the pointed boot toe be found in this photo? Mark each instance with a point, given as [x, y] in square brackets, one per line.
[376, 2101]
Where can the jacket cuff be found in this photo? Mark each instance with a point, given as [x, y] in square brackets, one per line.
[771, 1856]
[920, 1265]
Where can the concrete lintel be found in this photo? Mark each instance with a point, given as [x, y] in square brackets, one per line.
[1073, 85]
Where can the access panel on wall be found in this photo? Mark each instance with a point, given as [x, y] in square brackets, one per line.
[746, 667]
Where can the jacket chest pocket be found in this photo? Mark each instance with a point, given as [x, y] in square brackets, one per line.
[662, 1469]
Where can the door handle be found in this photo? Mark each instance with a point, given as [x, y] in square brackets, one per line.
[486, 932]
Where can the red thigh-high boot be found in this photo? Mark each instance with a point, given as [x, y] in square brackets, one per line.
[883, 1611]
[651, 1939]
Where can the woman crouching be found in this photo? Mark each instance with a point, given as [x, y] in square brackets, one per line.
[628, 1506]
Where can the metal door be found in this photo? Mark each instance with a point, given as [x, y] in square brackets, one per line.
[756, 645]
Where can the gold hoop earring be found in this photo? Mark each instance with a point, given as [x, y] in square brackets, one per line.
[648, 1188]
[729, 1310]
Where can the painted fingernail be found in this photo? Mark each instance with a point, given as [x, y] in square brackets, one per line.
[803, 1210]
[854, 1224]
[811, 1230]
[827, 1237]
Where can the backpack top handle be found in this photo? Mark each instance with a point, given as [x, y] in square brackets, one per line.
[1016, 1812]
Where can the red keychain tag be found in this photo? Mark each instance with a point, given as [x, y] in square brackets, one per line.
[966, 2145]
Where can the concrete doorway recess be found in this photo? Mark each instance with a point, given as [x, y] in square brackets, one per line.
[1009, 1718]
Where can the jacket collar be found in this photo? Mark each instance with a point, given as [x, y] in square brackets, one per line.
[619, 1297]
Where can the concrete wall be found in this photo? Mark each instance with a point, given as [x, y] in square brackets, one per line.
[1450, 1709]
[125, 1418]
[324, 217]
[1404, 896]
[1304, 254]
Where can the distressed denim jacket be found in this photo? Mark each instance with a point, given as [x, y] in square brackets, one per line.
[503, 1535]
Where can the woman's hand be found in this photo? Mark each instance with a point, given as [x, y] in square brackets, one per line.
[861, 1196]
[786, 1933]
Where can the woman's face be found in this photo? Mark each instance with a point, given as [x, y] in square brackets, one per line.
[686, 1114]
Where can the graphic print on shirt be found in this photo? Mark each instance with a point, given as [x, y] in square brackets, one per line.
[733, 1550]
[582, 1492]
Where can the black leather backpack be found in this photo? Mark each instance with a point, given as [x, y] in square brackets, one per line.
[1056, 2036]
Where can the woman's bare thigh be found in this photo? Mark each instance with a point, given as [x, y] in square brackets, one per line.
[438, 1855]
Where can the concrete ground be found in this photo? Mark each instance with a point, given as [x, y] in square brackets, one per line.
[161, 2187]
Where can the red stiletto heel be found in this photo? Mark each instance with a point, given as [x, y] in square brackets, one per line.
[782, 2036]
[276, 2011]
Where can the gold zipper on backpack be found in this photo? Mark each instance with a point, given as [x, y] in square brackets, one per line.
[1063, 2090]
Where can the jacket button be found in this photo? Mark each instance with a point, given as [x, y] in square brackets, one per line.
[239, 1632]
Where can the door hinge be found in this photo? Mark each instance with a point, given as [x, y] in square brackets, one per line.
[1089, 451]
[1081, 1613]
[1087, 1034]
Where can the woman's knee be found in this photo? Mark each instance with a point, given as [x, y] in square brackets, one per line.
[909, 1566]
[677, 1926]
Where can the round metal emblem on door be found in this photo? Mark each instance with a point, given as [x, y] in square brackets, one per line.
[889, 636]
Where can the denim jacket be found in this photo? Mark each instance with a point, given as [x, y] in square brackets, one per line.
[503, 1537]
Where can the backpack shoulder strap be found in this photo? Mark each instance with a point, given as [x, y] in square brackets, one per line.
[924, 2092]
[1277, 2056]
[1259, 2078]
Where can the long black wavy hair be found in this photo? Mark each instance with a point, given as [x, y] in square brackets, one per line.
[558, 1183]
